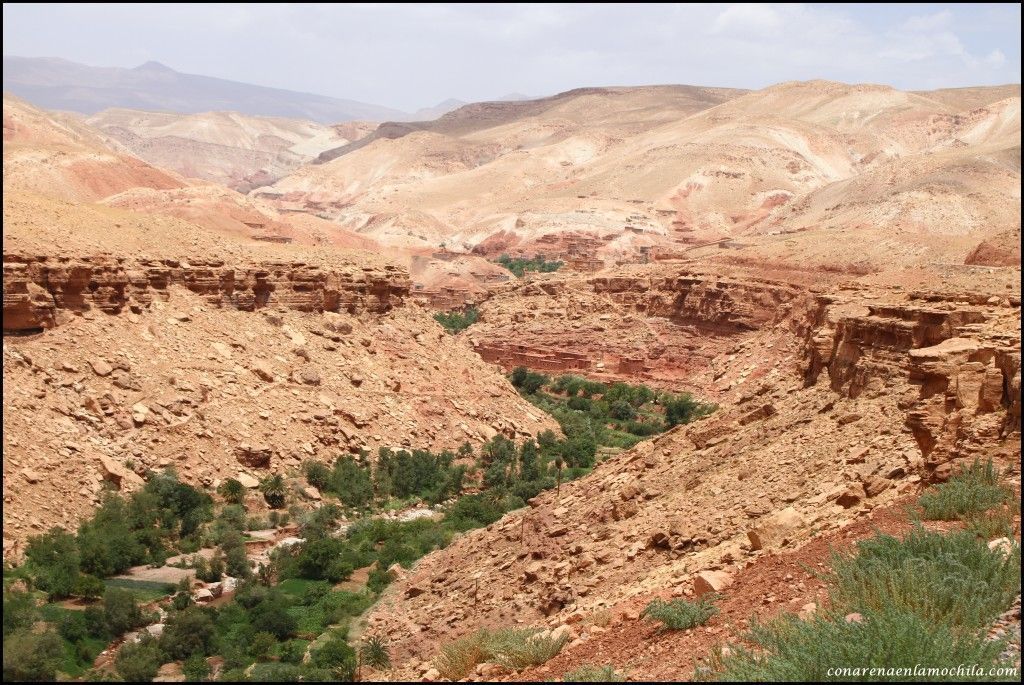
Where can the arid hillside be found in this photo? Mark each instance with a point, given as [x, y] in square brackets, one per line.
[232, 149]
[834, 400]
[151, 329]
[604, 176]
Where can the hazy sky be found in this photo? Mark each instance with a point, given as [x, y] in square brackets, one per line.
[411, 56]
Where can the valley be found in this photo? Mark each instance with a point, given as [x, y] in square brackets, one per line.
[461, 398]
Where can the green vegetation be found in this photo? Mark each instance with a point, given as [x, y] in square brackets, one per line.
[520, 265]
[974, 490]
[796, 650]
[593, 414]
[680, 614]
[951, 578]
[926, 600]
[147, 527]
[515, 648]
[456, 321]
[593, 674]
[290, 608]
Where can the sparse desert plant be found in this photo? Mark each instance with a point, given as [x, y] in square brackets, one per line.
[789, 649]
[374, 653]
[459, 658]
[593, 674]
[518, 648]
[973, 490]
[994, 523]
[951, 578]
[681, 614]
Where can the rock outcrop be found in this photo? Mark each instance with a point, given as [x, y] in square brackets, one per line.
[37, 287]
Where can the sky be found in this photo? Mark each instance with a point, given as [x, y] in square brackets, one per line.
[412, 56]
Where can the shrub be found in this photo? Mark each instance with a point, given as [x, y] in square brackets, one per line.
[19, 611]
[88, 587]
[519, 648]
[188, 632]
[272, 616]
[32, 656]
[139, 661]
[274, 491]
[793, 650]
[994, 523]
[973, 490]
[374, 653]
[232, 491]
[333, 653]
[951, 578]
[195, 669]
[456, 322]
[53, 559]
[292, 651]
[459, 658]
[261, 645]
[316, 473]
[121, 611]
[680, 614]
[593, 674]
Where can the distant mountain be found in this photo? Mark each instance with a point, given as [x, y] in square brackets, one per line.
[440, 109]
[60, 84]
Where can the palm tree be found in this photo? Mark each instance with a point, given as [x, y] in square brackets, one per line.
[373, 653]
[232, 491]
[274, 491]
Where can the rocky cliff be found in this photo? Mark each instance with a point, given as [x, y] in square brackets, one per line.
[39, 288]
[835, 400]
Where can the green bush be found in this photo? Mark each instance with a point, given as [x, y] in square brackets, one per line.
[30, 656]
[789, 649]
[188, 632]
[121, 611]
[333, 653]
[261, 645]
[680, 614]
[973, 490]
[53, 560]
[195, 669]
[593, 674]
[951, 578]
[456, 322]
[139, 661]
[292, 651]
[19, 611]
[520, 265]
[232, 491]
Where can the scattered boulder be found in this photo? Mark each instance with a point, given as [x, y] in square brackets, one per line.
[849, 498]
[247, 481]
[707, 582]
[311, 492]
[775, 530]
[309, 375]
[100, 367]
[876, 485]
[263, 370]
[140, 413]
[254, 456]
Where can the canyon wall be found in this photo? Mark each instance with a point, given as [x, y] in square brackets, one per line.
[38, 288]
